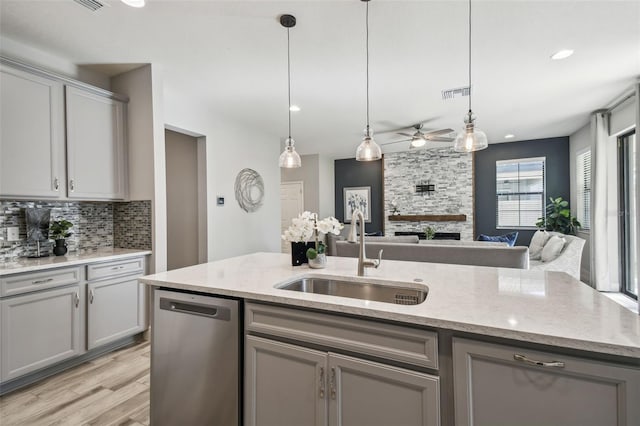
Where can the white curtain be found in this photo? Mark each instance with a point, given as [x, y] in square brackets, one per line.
[600, 259]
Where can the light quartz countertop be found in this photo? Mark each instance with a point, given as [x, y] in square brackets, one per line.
[550, 308]
[24, 264]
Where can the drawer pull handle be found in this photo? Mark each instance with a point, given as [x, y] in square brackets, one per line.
[115, 268]
[42, 281]
[332, 383]
[321, 382]
[77, 297]
[91, 294]
[72, 185]
[522, 358]
[56, 184]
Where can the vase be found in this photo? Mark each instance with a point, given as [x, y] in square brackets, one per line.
[61, 248]
[319, 262]
[299, 252]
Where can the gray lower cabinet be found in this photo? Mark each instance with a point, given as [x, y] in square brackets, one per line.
[39, 329]
[504, 385]
[287, 384]
[115, 309]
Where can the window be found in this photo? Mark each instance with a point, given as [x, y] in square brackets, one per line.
[628, 214]
[519, 192]
[583, 189]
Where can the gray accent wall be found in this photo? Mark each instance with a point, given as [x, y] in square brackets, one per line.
[351, 173]
[556, 151]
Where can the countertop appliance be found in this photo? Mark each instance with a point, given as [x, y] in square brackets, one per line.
[195, 360]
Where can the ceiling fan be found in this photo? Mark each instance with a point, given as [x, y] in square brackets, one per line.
[420, 138]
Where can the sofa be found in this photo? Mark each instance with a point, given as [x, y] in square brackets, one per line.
[333, 239]
[567, 261]
[479, 255]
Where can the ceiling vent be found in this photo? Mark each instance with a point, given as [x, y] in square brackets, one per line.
[458, 91]
[92, 5]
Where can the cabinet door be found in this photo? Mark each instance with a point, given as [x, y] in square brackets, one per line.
[284, 384]
[31, 135]
[494, 385]
[39, 329]
[368, 393]
[115, 309]
[95, 146]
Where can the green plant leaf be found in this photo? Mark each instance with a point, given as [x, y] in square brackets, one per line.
[311, 253]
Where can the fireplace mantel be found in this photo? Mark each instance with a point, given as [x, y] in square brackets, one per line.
[428, 218]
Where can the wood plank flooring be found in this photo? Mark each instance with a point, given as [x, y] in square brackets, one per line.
[110, 390]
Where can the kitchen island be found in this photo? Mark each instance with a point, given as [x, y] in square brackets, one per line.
[479, 327]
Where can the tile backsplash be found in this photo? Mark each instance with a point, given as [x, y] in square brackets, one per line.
[93, 225]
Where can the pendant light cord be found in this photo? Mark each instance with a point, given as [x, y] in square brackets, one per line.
[469, 56]
[289, 82]
[367, 32]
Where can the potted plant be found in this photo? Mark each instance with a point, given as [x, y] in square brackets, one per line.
[59, 231]
[430, 232]
[558, 217]
[301, 230]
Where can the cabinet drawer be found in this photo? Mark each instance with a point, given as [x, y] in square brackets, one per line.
[34, 281]
[115, 268]
[388, 341]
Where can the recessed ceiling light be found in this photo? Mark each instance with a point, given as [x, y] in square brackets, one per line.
[562, 54]
[509, 136]
[294, 108]
[134, 3]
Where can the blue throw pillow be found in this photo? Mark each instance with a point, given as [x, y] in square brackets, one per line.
[506, 238]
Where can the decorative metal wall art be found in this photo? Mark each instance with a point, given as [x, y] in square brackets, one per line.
[249, 190]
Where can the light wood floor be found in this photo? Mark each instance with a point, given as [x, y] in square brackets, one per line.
[110, 390]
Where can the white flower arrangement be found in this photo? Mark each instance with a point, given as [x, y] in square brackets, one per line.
[307, 224]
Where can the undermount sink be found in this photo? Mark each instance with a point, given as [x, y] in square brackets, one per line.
[388, 292]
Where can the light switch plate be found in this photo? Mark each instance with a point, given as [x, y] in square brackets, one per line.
[13, 233]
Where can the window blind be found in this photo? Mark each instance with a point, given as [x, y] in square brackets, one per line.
[583, 188]
[520, 192]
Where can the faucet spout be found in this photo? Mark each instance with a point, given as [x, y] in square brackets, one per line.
[363, 262]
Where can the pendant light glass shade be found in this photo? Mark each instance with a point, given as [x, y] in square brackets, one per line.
[290, 159]
[470, 139]
[368, 150]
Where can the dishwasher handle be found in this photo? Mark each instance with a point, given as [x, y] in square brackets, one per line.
[210, 311]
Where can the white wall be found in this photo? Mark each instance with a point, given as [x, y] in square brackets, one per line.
[232, 146]
[146, 154]
[31, 56]
[326, 193]
[578, 142]
[308, 175]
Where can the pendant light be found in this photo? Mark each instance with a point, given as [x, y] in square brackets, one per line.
[470, 139]
[289, 159]
[368, 150]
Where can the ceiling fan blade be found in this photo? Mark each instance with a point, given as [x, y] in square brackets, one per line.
[405, 134]
[392, 142]
[439, 139]
[439, 132]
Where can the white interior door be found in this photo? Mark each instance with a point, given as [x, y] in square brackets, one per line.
[292, 204]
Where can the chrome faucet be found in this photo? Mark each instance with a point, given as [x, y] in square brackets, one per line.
[363, 262]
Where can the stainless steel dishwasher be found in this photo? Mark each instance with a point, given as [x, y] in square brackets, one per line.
[195, 360]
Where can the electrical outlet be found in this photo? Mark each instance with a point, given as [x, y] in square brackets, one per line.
[13, 233]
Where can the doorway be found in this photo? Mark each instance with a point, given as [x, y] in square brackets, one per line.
[292, 204]
[186, 199]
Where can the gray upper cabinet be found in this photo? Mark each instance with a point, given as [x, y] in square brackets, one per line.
[39, 329]
[32, 140]
[95, 146]
[497, 384]
[60, 138]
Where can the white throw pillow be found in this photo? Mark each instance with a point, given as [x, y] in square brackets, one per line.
[537, 243]
[552, 249]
